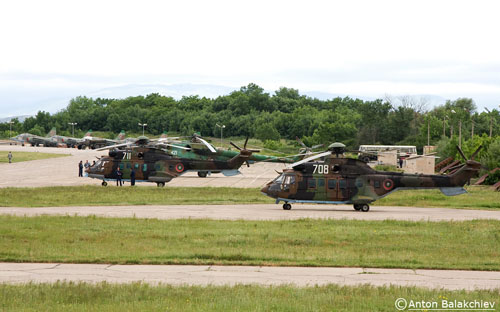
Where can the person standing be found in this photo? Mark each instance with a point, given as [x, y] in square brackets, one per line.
[9, 156]
[80, 169]
[119, 175]
[132, 177]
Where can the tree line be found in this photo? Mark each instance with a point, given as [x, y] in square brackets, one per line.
[285, 114]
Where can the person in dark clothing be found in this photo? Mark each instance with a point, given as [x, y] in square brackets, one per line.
[80, 169]
[132, 177]
[119, 175]
[401, 162]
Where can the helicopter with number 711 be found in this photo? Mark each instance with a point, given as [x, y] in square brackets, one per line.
[340, 180]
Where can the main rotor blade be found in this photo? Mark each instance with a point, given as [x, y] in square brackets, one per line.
[317, 146]
[172, 145]
[112, 146]
[210, 147]
[476, 152]
[461, 153]
[300, 142]
[236, 146]
[245, 145]
[309, 159]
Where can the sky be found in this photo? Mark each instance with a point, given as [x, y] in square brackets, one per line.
[53, 51]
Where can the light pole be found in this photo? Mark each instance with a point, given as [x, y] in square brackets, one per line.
[221, 127]
[444, 125]
[73, 124]
[142, 125]
[459, 130]
[10, 128]
[491, 121]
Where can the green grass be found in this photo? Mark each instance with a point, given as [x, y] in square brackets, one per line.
[98, 195]
[26, 156]
[144, 297]
[479, 197]
[471, 245]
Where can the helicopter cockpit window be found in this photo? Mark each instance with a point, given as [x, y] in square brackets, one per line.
[288, 180]
[376, 184]
[279, 179]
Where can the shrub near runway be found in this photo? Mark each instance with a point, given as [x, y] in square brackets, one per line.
[385, 244]
[143, 297]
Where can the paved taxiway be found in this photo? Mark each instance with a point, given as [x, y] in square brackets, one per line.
[63, 171]
[259, 212]
[230, 275]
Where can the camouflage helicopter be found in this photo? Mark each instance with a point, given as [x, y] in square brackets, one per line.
[157, 162]
[198, 149]
[340, 180]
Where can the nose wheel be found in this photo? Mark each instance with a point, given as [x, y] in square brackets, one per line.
[104, 183]
[362, 207]
[287, 206]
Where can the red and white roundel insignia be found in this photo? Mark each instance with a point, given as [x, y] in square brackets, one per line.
[179, 167]
[388, 184]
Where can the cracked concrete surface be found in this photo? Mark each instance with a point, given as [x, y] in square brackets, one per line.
[260, 212]
[17, 273]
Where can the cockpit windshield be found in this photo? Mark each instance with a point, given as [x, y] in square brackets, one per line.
[279, 179]
[289, 179]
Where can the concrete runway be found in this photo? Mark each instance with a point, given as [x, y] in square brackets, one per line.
[64, 171]
[16, 273]
[260, 212]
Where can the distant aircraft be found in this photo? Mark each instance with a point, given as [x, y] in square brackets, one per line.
[89, 141]
[36, 140]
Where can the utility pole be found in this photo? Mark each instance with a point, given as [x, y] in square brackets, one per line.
[73, 124]
[428, 132]
[142, 125]
[10, 129]
[221, 127]
[491, 121]
[460, 133]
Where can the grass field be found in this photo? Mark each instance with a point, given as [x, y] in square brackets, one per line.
[143, 297]
[26, 156]
[384, 244]
[478, 197]
[98, 195]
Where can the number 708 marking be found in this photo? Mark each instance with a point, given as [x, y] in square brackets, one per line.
[321, 169]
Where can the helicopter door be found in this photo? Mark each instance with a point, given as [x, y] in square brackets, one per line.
[337, 189]
[321, 189]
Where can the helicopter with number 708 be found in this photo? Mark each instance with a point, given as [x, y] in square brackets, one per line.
[340, 180]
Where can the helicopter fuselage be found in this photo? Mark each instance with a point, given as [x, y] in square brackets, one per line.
[350, 181]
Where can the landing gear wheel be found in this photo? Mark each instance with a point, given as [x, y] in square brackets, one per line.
[202, 174]
[365, 159]
[364, 208]
[357, 207]
[287, 206]
[160, 184]
[104, 183]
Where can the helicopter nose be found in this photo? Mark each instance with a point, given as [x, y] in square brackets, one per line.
[265, 189]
